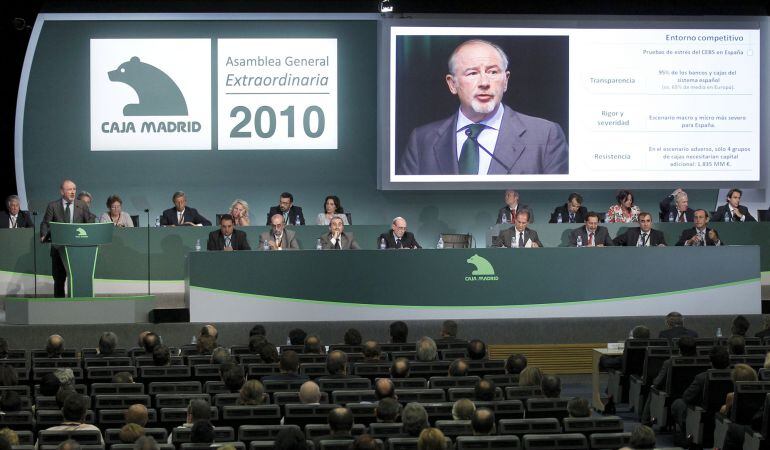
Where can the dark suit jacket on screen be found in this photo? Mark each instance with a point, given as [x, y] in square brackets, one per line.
[23, 220]
[294, 211]
[631, 237]
[54, 212]
[505, 236]
[601, 236]
[719, 215]
[238, 241]
[169, 217]
[408, 241]
[525, 144]
[580, 215]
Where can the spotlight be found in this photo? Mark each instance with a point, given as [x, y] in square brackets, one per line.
[386, 6]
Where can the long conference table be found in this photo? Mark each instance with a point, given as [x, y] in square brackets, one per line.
[369, 283]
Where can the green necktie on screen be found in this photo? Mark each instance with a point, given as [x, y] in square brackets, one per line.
[469, 155]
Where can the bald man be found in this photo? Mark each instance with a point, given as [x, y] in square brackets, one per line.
[310, 393]
[54, 346]
[398, 237]
[67, 209]
[517, 143]
[137, 413]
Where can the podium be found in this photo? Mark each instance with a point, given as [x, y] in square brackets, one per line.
[79, 247]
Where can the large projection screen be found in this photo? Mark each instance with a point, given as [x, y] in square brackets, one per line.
[648, 102]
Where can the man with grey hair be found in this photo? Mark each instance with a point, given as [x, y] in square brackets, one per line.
[108, 342]
[484, 137]
[69, 444]
[13, 216]
[426, 349]
[397, 237]
[309, 393]
[278, 237]
[675, 327]
[146, 443]
[181, 214]
[415, 418]
[463, 409]
[675, 207]
[512, 206]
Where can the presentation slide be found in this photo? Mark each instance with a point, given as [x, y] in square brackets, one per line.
[481, 105]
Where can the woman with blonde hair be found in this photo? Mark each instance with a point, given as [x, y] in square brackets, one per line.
[240, 212]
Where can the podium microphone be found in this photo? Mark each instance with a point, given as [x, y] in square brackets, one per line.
[34, 250]
[468, 133]
[147, 211]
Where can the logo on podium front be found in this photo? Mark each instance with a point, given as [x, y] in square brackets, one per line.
[484, 270]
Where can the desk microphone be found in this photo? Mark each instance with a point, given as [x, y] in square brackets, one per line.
[468, 133]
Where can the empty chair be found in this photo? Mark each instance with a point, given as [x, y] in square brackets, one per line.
[163, 373]
[547, 407]
[120, 401]
[313, 370]
[453, 382]
[117, 388]
[420, 395]
[520, 427]
[504, 409]
[26, 437]
[18, 420]
[487, 442]
[486, 366]
[248, 433]
[178, 400]
[217, 444]
[454, 240]
[221, 434]
[522, 392]
[410, 383]
[261, 370]
[609, 441]
[632, 364]
[454, 394]
[385, 430]
[371, 370]
[174, 387]
[454, 428]
[333, 384]
[301, 415]
[409, 443]
[105, 373]
[282, 398]
[570, 441]
[251, 415]
[115, 418]
[591, 425]
[363, 413]
[346, 396]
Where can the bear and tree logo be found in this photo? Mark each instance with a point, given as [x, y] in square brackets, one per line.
[484, 270]
[158, 94]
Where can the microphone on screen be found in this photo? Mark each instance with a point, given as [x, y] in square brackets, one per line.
[468, 133]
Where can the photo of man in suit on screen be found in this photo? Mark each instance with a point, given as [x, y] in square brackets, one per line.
[484, 136]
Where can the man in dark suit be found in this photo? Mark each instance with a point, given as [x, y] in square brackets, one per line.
[700, 234]
[642, 236]
[571, 212]
[693, 395]
[67, 209]
[14, 217]
[733, 210]
[340, 426]
[515, 143]
[676, 329]
[289, 367]
[512, 206]
[398, 237]
[519, 235]
[337, 365]
[292, 214]
[675, 207]
[181, 215]
[227, 238]
[336, 238]
[590, 235]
